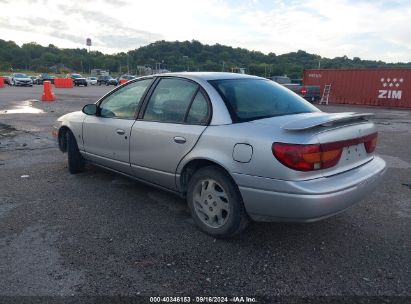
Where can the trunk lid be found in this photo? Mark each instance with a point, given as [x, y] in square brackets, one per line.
[346, 130]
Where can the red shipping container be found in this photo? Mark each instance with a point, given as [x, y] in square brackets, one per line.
[372, 87]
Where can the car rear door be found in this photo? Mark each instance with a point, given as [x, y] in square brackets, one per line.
[107, 135]
[174, 118]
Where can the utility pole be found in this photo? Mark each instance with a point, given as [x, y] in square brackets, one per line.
[188, 66]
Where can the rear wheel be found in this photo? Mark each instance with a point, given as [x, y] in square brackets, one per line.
[75, 160]
[215, 203]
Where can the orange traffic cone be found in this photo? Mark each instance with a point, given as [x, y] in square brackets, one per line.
[48, 95]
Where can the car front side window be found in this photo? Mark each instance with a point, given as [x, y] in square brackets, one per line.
[124, 102]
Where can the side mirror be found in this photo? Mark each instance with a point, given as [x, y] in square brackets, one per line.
[90, 109]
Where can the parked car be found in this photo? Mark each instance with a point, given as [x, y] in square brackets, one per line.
[309, 92]
[237, 147]
[44, 77]
[297, 81]
[20, 79]
[78, 80]
[107, 80]
[126, 77]
[91, 80]
[33, 79]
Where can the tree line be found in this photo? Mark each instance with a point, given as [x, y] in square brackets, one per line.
[173, 56]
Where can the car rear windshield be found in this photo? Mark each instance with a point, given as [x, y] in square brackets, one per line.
[250, 99]
[76, 75]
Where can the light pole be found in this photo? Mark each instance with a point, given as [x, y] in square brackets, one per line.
[188, 66]
[128, 65]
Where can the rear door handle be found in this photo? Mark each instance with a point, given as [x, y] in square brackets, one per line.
[179, 140]
[120, 132]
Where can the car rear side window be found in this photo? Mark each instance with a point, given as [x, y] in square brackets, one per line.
[123, 103]
[199, 111]
[251, 99]
[170, 100]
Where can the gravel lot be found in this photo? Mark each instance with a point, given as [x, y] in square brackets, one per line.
[98, 233]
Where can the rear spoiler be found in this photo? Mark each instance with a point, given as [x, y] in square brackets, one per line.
[326, 120]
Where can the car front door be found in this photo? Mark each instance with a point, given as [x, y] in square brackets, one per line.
[106, 135]
[174, 118]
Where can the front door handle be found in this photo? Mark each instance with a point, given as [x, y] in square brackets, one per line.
[120, 132]
[179, 140]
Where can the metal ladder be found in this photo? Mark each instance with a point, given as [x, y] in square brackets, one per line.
[326, 94]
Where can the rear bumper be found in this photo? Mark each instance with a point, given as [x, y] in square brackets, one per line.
[307, 201]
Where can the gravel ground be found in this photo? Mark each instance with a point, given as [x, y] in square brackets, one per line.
[98, 233]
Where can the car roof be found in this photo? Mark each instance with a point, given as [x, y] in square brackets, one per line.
[209, 75]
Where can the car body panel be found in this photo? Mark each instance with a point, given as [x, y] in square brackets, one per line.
[307, 201]
[107, 140]
[154, 155]
[74, 122]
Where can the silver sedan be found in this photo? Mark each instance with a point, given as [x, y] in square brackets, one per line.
[237, 147]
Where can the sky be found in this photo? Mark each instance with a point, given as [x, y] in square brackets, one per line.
[369, 29]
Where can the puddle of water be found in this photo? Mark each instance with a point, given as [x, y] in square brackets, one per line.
[22, 110]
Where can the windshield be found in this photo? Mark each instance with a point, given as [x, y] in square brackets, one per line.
[250, 99]
[76, 75]
[20, 76]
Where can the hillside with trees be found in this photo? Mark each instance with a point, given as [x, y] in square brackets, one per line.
[173, 56]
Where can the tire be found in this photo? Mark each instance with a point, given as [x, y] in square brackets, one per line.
[75, 160]
[99, 83]
[215, 203]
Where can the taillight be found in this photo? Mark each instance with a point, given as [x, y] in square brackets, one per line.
[304, 91]
[306, 157]
[318, 156]
[370, 142]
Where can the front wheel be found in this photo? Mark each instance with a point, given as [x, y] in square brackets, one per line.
[215, 203]
[75, 160]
